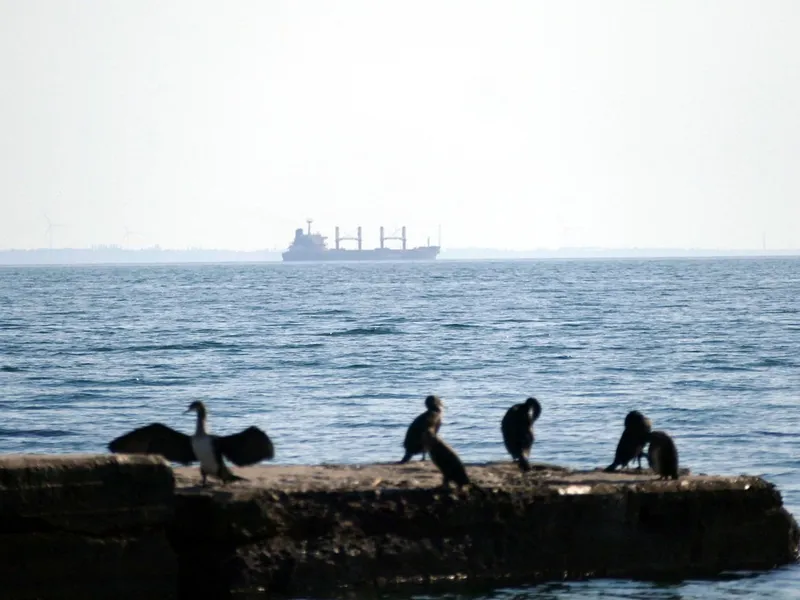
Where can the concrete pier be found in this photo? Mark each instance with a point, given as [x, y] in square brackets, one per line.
[132, 527]
[87, 527]
[314, 529]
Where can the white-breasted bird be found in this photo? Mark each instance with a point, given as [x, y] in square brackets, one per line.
[247, 447]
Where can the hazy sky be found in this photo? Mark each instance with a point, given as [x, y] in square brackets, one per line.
[512, 124]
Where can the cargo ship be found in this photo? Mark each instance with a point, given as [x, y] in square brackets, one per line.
[309, 246]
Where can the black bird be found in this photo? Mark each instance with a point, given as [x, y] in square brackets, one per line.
[631, 444]
[517, 428]
[247, 447]
[430, 419]
[445, 459]
[662, 455]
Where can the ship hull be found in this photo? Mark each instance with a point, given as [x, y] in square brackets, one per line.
[378, 254]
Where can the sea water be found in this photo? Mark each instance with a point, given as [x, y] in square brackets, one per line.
[334, 360]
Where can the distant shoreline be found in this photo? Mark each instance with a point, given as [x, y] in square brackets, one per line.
[111, 256]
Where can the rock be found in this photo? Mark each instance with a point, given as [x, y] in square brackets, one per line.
[86, 527]
[117, 526]
[315, 529]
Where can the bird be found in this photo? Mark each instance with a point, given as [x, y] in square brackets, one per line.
[517, 428]
[445, 459]
[247, 447]
[632, 442]
[430, 419]
[662, 455]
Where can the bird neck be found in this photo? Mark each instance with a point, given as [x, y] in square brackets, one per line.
[201, 424]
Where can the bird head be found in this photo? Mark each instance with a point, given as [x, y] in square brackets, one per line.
[634, 419]
[533, 404]
[198, 407]
[434, 403]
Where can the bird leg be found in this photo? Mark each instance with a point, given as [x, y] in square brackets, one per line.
[423, 455]
[205, 478]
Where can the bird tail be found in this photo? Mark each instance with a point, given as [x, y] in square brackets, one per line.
[405, 459]
[610, 468]
[226, 476]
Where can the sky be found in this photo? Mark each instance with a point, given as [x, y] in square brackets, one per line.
[511, 124]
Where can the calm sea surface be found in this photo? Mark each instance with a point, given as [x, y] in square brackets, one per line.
[335, 360]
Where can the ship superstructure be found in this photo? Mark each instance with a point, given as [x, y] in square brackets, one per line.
[308, 246]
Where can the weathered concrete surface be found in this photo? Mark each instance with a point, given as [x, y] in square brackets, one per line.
[86, 527]
[314, 529]
[117, 527]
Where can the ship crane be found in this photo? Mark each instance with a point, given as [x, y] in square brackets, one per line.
[402, 237]
[340, 238]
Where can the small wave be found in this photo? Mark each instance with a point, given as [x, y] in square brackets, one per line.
[729, 368]
[598, 394]
[299, 363]
[349, 426]
[381, 396]
[64, 399]
[359, 366]
[128, 382]
[776, 433]
[460, 326]
[516, 320]
[694, 383]
[545, 349]
[379, 330]
[393, 320]
[300, 346]
[10, 369]
[40, 378]
[776, 362]
[95, 350]
[134, 381]
[33, 433]
[617, 369]
[86, 395]
[81, 382]
[205, 345]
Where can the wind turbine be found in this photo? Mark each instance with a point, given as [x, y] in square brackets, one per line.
[128, 233]
[49, 230]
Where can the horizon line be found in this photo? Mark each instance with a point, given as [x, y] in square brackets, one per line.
[159, 248]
